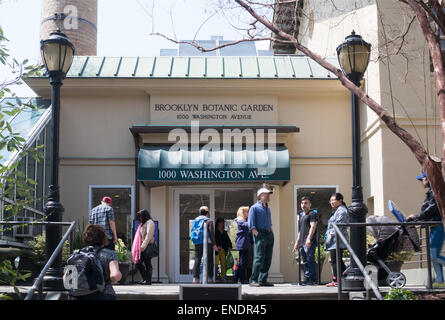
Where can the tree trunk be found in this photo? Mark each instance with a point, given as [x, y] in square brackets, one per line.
[431, 168]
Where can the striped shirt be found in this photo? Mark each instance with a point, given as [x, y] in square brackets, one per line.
[101, 215]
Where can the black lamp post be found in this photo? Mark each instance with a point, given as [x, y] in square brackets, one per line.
[353, 56]
[57, 55]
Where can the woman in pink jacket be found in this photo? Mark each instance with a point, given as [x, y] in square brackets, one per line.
[147, 233]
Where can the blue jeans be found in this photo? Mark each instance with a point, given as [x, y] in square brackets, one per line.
[437, 236]
[308, 258]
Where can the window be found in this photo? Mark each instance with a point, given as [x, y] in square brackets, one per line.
[123, 206]
[319, 196]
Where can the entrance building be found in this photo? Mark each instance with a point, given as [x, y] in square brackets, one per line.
[122, 119]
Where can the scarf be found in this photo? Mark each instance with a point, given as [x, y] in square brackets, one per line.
[136, 249]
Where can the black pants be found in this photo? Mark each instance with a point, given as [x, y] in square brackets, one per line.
[242, 266]
[334, 263]
[145, 260]
[198, 257]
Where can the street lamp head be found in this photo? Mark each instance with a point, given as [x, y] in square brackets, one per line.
[353, 57]
[57, 54]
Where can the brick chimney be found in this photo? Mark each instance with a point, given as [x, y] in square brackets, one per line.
[76, 18]
[287, 17]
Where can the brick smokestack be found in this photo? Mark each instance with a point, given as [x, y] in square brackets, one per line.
[287, 16]
[76, 18]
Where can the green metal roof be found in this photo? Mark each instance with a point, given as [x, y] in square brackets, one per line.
[179, 67]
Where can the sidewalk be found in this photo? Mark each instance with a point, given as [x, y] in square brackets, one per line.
[286, 291]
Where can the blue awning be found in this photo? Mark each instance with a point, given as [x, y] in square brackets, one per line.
[167, 165]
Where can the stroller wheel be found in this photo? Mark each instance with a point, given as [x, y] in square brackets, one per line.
[396, 280]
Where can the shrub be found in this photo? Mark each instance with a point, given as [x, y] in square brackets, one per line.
[400, 294]
[38, 248]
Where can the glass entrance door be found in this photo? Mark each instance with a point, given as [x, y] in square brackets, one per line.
[187, 203]
[222, 202]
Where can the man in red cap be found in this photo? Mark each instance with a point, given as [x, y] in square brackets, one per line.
[103, 215]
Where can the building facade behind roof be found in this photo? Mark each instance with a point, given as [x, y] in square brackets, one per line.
[401, 82]
[243, 49]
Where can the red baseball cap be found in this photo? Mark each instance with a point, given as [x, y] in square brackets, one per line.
[107, 200]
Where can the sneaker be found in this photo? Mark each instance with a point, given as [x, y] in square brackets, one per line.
[332, 284]
[308, 283]
[254, 284]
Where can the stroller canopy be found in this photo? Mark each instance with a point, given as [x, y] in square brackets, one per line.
[381, 232]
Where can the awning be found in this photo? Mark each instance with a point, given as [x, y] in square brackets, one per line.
[167, 165]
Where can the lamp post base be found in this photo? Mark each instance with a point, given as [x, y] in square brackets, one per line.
[53, 281]
[354, 279]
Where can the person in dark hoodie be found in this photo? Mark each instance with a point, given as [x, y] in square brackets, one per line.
[430, 212]
[243, 242]
[223, 245]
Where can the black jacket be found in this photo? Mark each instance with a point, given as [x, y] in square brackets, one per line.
[429, 210]
[223, 240]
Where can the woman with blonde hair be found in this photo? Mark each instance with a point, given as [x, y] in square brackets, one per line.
[242, 242]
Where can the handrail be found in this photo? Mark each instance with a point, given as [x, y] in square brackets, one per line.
[424, 224]
[357, 261]
[416, 223]
[55, 253]
[50, 261]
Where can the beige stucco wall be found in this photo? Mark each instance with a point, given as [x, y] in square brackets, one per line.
[320, 155]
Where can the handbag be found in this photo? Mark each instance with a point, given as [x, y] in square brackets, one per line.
[152, 250]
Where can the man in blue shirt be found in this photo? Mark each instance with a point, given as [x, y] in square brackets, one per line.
[260, 224]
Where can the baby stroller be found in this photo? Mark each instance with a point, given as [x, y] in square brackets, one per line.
[390, 239]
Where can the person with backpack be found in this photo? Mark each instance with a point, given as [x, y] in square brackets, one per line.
[197, 237]
[91, 271]
[148, 247]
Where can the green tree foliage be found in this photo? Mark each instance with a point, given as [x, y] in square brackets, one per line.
[9, 276]
[13, 180]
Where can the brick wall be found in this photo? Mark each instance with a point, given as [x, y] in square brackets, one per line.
[84, 37]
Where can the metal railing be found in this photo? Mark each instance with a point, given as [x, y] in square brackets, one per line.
[37, 283]
[339, 235]
[424, 224]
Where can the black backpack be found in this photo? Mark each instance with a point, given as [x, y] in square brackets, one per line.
[84, 268]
